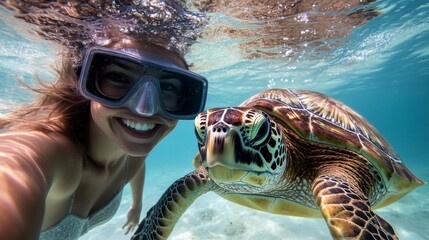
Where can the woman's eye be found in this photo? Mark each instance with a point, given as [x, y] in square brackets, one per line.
[170, 84]
[117, 79]
[166, 86]
[113, 84]
[171, 89]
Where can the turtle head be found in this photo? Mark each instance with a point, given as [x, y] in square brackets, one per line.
[241, 148]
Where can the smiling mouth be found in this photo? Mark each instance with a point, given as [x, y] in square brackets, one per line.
[138, 127]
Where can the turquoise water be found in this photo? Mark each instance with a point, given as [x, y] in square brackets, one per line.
[382, 72]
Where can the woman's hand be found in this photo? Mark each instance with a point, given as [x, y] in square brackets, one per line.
[133, 218]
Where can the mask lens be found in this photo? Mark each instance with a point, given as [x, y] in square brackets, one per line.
[171, 87]
[182, 94]
[113, 77]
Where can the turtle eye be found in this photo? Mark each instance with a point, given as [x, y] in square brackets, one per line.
[200, 137]
[262, 133]
[200, 128]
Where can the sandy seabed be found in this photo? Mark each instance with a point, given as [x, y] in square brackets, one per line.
[214, 218]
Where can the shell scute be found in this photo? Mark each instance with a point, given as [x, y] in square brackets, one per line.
[379, 158]
[295, 119]
[328, 133]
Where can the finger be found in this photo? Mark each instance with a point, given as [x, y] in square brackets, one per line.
[129, 229]
[126, 224]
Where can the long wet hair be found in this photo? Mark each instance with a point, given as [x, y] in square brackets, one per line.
[58, 107]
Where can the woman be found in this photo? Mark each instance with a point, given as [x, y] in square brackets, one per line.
[66, 157]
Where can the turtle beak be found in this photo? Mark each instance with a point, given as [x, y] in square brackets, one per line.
[220, 146]
[225, 148]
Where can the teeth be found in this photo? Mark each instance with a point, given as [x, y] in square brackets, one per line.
[138, 126]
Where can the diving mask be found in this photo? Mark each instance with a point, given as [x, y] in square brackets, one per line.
[142, 83]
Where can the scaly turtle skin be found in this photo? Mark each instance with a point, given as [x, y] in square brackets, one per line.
[291, 152]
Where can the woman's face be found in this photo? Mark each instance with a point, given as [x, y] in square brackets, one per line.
[135, 135]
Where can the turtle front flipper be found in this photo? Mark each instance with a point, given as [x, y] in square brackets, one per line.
[163, 216]
[347, 211]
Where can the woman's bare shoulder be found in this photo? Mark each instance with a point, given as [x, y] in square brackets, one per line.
[51, 154]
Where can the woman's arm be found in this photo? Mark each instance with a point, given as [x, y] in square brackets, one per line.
[136, 184]
[26, 174]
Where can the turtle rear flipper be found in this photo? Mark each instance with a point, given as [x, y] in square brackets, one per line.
[163, 216]
[347, 211]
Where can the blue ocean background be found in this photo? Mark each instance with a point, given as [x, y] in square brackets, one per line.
[382, 72]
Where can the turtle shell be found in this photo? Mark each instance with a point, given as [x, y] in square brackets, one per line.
[316, 117]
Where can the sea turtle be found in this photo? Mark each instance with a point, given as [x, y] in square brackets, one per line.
[291, 152]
